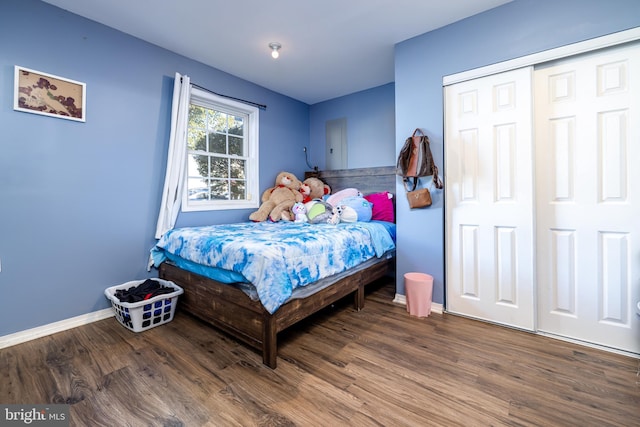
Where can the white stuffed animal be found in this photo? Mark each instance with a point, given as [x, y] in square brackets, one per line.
[299, 212]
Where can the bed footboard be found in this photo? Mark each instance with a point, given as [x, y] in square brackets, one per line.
[232, 311]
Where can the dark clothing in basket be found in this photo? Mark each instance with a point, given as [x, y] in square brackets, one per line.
[148, 289]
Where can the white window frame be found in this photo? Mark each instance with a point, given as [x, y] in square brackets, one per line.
[210, 100]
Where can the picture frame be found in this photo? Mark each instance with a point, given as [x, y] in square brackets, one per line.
[49, 95]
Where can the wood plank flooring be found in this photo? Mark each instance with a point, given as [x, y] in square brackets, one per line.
[376, 367]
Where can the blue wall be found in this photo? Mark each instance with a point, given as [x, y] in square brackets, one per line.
[370, 118]
[79, 201]
[516, 29]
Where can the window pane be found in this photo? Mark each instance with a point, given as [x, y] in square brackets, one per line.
[197, 140]
[198, 166]
[238, 190]
[217, 122]
[238, 169]
[197, 189]
[197, 116]
[219, 167]
[236, 125]
[219, 190]
[217, 143]
[236, 146]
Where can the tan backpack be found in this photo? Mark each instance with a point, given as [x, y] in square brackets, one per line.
[415, 160]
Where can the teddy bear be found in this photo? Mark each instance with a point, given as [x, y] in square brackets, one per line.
[314, 188]
[277, 201]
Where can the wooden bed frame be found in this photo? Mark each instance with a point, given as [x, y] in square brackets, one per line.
[231, 310]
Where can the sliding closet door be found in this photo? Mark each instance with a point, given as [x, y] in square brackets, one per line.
[588, 197]
[489, 197]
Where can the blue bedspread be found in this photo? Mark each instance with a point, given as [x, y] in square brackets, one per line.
[277, 257]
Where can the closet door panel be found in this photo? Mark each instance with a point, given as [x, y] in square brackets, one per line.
[489, 196]
[588, 199]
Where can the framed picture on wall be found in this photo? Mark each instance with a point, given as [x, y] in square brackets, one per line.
[41, 93]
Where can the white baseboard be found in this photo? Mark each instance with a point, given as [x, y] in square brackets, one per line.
[435, 307]
[400, 299]
[52, 328]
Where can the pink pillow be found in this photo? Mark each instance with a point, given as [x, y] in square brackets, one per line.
[382, 209]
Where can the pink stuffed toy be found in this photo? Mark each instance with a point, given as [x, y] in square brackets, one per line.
[336, 198]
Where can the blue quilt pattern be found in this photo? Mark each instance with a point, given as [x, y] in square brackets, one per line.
[277, 257]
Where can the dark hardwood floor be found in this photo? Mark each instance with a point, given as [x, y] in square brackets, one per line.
[376, 367]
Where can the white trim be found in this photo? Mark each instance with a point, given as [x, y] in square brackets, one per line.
[52, 328]
[252, 116]
[548, 55]
[402, 300]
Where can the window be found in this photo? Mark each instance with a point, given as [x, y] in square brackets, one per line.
[222, 154]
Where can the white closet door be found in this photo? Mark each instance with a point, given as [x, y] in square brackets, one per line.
[588, 197]
[489, 198]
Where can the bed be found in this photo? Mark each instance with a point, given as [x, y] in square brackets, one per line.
[237, 308]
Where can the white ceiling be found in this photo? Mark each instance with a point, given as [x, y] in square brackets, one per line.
[330, 48]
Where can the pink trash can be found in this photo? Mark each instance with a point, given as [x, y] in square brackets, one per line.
[418, 288]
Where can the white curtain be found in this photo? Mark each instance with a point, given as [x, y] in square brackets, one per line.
[176, 160]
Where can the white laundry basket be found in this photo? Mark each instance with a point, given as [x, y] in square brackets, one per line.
[143, 315]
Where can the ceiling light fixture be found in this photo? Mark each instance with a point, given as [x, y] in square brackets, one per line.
[274, 49]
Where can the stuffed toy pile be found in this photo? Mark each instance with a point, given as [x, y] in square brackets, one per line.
[310, 201]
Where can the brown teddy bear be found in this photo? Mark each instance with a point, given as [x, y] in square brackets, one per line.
[314, 188]
[277, 201]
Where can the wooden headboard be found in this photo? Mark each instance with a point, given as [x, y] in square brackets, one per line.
[367, 180]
